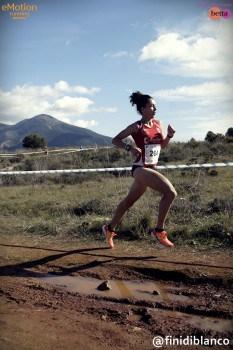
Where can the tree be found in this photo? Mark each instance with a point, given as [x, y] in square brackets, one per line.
[229, 135]
[229, 132]
[34, 141]
[210, 136]
[193, 143]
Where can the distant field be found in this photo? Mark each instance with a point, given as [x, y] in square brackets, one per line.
[175, 153]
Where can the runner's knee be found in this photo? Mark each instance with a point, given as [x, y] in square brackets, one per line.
[170, 193]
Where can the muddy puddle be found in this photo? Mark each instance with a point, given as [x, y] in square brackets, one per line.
[147, 290]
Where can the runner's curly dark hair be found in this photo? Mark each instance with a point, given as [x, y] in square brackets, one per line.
[139, 99]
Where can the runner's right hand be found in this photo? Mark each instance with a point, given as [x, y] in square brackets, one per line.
[136, 152]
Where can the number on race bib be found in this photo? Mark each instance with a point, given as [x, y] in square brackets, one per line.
[152, 154]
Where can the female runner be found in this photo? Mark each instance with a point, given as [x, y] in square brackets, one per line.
[149, 139]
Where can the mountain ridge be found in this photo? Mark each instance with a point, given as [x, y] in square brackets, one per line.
[55, 132]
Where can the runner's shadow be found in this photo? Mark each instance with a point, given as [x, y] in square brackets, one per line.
[52, 250]
[96, 263]
[20, 269]
[68, 270]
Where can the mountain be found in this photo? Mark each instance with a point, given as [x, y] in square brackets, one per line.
[55, 132]
[2, 126]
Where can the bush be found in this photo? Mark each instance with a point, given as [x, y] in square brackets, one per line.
[33, 141]
[220, 205]
[229, 132]
[210, 136]
[212, 172]
[213, 231]
[94, 206]
[115, 156]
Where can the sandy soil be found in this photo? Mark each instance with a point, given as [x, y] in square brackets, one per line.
[191, 294]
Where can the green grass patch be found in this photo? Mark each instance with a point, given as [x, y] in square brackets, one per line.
[201, 214]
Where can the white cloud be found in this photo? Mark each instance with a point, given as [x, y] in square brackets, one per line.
[62, 86]
[218, 123]
[205, 54]
[59, 100]
[191, 121]
[118, 54]
[71, 105]
[80, 122]
[85, 123]
[84, 90]
[199, 108]
[207, 93]
[105, 110]
[56, 90]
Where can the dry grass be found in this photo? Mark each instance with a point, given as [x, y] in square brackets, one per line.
[176, 152]
[77, 208]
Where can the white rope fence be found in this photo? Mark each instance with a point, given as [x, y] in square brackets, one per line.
[53, 151]
[69, 171]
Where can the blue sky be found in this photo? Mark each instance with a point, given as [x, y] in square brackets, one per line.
[79, 60]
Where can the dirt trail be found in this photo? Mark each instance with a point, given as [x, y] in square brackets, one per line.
[49, 297]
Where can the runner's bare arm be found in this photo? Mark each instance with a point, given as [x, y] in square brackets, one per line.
[117, 140]
[170, 134]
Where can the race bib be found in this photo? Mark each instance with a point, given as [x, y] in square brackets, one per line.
[152, 154]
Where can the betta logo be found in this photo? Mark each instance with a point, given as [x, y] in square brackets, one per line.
[215, 13]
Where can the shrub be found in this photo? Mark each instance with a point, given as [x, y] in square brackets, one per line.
[95, 206]
[220, 205]
[212, 172]
[229, 132]
[33, 141]
[210, 136]
[212, 231]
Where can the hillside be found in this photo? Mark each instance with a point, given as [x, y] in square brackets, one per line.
[56, 133]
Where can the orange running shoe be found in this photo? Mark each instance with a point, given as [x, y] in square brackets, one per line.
[162, 238]
[109, 235]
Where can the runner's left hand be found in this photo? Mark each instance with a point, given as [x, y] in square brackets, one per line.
[170, 131]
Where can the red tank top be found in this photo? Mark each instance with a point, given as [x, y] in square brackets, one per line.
[148, 139]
